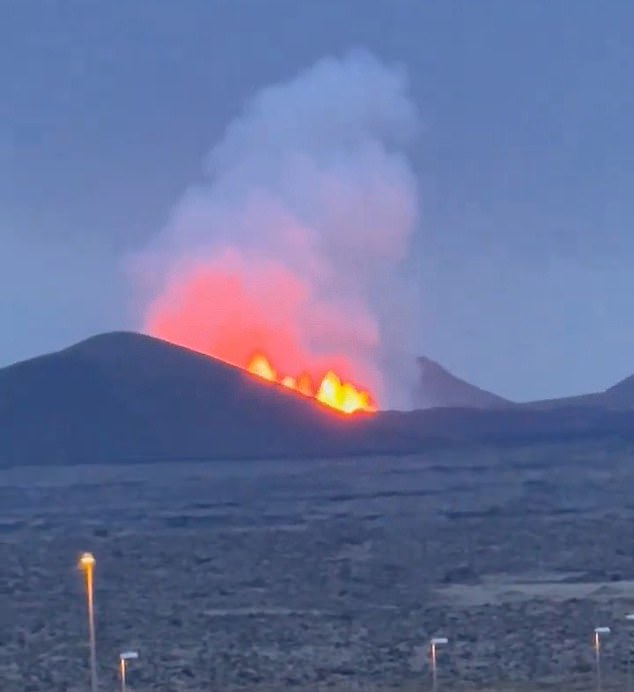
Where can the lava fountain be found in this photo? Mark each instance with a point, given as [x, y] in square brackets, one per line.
[286, 258]
[331, 390]
[260, 317]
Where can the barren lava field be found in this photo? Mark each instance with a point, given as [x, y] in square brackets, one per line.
[324, 574]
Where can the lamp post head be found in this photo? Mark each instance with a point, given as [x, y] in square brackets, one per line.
[439, 640]
[128, 655]
[602, 630]
[86, 561]
[630, 617]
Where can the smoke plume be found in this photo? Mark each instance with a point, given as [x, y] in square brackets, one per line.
[299, 228]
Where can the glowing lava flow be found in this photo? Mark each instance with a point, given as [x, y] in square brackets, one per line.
[342, 396]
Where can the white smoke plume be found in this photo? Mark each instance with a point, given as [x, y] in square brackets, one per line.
[298, 230]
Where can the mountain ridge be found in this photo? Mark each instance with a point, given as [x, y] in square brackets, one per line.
[437, 386]
[124, 397]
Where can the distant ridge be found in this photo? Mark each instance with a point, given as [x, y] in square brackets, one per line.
[440, 388]
[125, 397]
[618, 397]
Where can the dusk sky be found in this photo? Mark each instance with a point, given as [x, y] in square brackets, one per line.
[523, 251]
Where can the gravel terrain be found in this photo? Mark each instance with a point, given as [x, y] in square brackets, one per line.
[325, 574]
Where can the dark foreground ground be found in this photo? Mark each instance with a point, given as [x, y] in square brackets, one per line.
[322, 575]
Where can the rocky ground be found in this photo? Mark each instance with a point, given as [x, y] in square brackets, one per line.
[323, 575]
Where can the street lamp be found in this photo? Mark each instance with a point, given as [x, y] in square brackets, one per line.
[598, 631]
[124, 657]
[434, 643]
[630, 621]
[87, 565]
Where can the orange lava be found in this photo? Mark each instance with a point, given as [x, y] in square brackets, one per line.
[332, 392]
[254, 315]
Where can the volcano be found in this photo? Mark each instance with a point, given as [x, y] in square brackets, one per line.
[124, 397]
[438, 387]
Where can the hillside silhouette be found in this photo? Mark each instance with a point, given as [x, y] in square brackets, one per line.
[124, 397]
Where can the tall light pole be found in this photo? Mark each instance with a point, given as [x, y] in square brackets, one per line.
[598, 631]
[124, 657]
[434, 643]
[87, 565]
[630, 621]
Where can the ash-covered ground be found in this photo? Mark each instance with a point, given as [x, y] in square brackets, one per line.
[324, 574]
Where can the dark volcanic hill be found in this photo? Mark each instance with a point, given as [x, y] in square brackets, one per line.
[123, 395]
[126, 397]
[438, 387]
[619, 396]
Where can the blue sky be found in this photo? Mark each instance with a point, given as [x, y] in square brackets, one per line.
[524, 250]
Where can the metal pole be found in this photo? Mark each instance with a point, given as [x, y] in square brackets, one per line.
[598, 631]
[434, 675]
[628, 656]
[597, 649]
[91, 628]
[124, 657]
[630, 646]
[123, 688]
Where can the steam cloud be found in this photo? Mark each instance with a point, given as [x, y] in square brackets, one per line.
[298, 232]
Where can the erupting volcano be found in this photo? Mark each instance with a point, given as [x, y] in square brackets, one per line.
[331, 391]
[286, 260]
[262, 318]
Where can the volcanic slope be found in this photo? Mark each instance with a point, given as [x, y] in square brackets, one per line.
[123, 396]
[438, 387]
[126, 397]
[617, 397]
